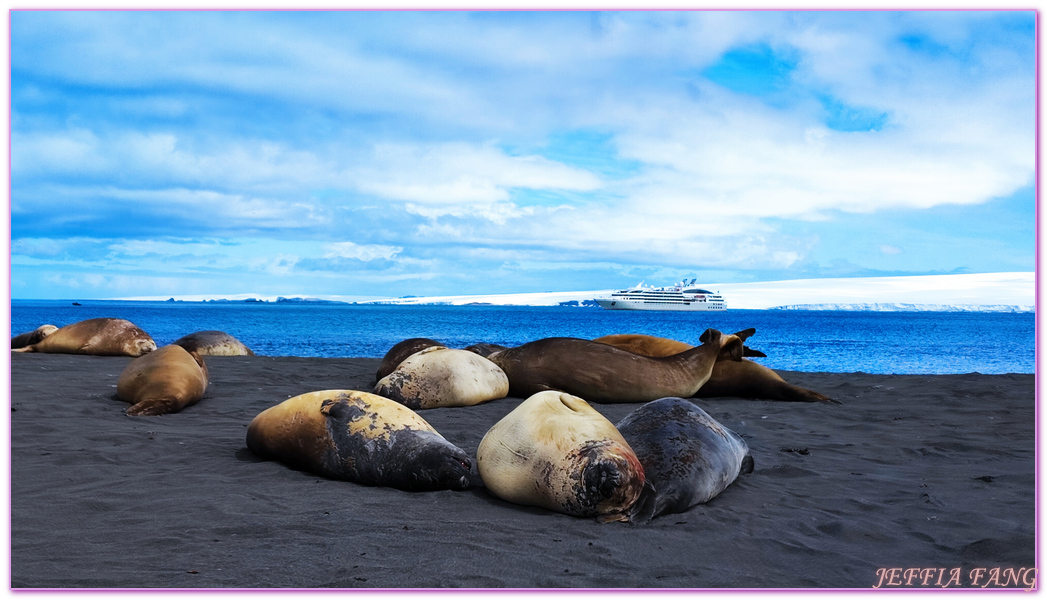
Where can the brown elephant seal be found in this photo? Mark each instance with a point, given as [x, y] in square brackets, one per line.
[602, 373]
[31, 337]
[101, 337]
[741, 379]
[163, 381]
[747, 379]
[484, 349]
[213, 343]
[401, 351]
[360, 437]
[649, 345]
[687, 456]
[556, 452]
[439, 377]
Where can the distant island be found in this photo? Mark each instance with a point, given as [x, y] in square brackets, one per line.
[906, 307]
[975, 292]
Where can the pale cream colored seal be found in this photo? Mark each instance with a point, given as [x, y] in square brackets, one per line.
[557, 452]
[442, 377]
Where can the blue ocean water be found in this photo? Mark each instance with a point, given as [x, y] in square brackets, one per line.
[841, 341]
[826, 341]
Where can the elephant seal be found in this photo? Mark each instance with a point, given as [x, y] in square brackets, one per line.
[649, 345]
[484, 349]
[741, 379]
[687, 456]
[163, 381]
[556, 452]
[213, 343]
[439, 377]
[31, 337]
[101, 337]
[360, 437]
[602, 373]
[401, 351]
[747, 379]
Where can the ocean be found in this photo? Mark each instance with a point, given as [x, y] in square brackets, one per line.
[794, 340]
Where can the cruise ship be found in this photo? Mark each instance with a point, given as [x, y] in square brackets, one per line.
[682, 296]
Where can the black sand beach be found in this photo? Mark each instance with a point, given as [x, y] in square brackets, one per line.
[911, 472]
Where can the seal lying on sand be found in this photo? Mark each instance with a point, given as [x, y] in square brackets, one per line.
[555, 451]
[687, 456]
[648, 345]
[163, 381]
[740, 379]
[746, 379]
[31, 337]
[602, 373]
[213, 343]
[401, 351]
[442, 377]
[356, 436]
[103, 337]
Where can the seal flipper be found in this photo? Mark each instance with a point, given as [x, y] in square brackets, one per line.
[648, 506]
[151, 407]
[798, 394]
[746, 333]
[747, 464]
[709, 335]
[747, 351]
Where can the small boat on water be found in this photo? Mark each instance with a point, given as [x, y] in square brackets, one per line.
[681, 296]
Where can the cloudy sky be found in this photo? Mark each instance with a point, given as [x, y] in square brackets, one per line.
[430, 153]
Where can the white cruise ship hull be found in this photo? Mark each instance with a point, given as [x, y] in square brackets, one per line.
[682, 296]
[624, 304]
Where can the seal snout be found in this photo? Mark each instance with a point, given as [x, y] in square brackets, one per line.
[456, 472]
[144, 346]
[602, 479]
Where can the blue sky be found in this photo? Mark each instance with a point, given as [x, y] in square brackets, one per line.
[430, 153]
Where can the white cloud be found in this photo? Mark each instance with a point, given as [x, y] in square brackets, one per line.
[367, 252]
[74, 150]
[459, 173]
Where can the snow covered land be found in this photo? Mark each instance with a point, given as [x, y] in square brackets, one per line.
[998, 292]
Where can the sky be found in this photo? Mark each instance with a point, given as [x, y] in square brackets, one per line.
[383, 154]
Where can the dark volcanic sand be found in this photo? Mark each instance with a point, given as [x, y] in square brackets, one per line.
[912, 471]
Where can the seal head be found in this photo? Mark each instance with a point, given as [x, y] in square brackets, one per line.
[31, 337]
